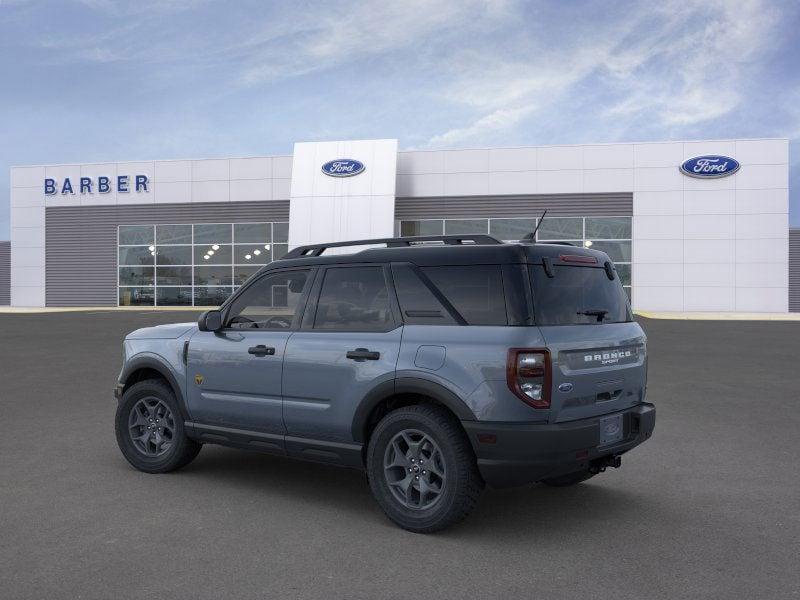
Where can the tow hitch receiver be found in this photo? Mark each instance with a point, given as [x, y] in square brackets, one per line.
[601, 464]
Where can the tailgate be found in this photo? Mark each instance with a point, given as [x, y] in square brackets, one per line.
[597, 369]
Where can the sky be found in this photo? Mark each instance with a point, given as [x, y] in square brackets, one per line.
[98, 80]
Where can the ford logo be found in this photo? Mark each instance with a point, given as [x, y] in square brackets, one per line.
[565, 387]
[343, 167]
[710, 166]
[611, 428]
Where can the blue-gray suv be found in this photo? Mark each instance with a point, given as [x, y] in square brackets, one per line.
[436, 364]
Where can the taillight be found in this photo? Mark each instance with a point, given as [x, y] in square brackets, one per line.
[528, 375]
[578, 258]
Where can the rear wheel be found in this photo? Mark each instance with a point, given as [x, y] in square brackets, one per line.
[150, 430]
[422, 470]
[568, 479]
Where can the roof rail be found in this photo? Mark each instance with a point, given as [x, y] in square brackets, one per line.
[449, 240]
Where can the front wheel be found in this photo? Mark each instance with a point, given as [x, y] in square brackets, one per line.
[422, 470]
[150, 430]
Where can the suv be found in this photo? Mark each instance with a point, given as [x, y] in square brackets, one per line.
[436, 364]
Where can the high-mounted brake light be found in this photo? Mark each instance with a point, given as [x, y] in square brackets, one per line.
[577, 258]
[528, 374]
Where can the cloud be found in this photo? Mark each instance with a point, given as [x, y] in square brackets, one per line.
[299, 44]
[672, 64]
[500, 119]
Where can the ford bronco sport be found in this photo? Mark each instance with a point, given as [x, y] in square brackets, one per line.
[436, 364]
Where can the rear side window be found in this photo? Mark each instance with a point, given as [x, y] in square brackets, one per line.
[475, 291]
[578, 296]
[354, 299]
[418, 303]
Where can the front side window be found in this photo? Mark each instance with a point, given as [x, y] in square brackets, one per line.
[354, 299]
[272, 302]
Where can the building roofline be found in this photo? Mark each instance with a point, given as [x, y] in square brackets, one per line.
[624, 143]
[162, 160]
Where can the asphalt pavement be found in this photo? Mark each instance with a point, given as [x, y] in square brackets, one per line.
[708, 508]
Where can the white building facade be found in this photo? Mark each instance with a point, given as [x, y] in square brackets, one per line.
[188, 232]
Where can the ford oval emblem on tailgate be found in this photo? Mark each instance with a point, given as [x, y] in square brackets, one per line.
[565, 387]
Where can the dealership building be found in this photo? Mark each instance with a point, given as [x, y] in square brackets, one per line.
[692, 226]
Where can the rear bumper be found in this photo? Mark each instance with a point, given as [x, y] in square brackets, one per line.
[529, 452]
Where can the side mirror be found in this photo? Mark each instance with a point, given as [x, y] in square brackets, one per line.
[211, 320]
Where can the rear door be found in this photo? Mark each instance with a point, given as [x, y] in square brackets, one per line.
[598, 353]
[348, 343]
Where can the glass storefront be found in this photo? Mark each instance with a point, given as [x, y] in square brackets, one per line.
[611, 235]
[193, 265]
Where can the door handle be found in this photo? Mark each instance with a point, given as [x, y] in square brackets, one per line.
[363, 354]
[261, 350]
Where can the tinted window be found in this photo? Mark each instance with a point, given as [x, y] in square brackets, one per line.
[136, 255]
[465, 226]
[476, 292]
[354, 299]
[174, 234]
[417, 302]
[561, 228]
[135, 234]
[575, 291]
[270, 303]
[511, 229]
[212, 233]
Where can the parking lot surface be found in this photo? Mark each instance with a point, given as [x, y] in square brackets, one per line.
[708, 508]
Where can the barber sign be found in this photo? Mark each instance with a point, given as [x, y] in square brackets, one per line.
[343, 167]
[709, 167]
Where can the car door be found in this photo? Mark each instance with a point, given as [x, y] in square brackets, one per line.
[348, 344]
[234, 374]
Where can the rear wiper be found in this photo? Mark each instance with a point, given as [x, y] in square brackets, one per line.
[599, 313]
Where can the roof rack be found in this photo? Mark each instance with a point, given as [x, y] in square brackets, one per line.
[449, 240]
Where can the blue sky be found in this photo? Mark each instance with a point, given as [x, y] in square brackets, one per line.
[98, 80]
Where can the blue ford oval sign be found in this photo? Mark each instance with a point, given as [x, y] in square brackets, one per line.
[343, 167]
[710, 166]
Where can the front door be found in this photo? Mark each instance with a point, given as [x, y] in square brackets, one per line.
[345, 348]
[234, 375]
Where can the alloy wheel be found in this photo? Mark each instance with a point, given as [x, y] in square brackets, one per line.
[414, 470]
[151, 427]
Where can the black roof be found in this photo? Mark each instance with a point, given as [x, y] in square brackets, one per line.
[450, 250]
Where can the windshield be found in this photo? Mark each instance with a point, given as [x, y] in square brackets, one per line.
[577, 296]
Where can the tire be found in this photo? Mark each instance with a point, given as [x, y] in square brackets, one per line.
[165, 447]
[568, 479]
[451, 481]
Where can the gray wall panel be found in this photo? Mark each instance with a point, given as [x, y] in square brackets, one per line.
[82, 241]
[794, 270]
[563, 205]
[5, 273]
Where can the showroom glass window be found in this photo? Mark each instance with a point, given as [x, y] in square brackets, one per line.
[197, 264]
[611, 235]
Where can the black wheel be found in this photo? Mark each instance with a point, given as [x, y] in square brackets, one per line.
[150, 430]
[568, 479]
[422, 470]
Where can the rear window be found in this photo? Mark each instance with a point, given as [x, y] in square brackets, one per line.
[578, 296]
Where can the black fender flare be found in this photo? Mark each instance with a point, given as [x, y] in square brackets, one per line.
[151, 362]
[406, 385]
